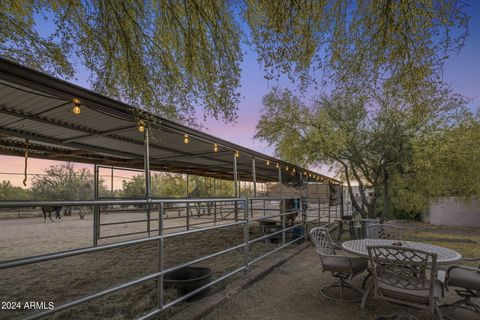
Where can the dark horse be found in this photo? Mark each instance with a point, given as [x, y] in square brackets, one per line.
[50, 210]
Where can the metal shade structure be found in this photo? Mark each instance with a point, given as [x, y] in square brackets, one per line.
[37, 110]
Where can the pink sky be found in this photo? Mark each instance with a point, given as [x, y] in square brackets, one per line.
[461, 71]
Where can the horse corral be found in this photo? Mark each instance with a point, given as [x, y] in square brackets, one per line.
[75, 276]
[108, 259]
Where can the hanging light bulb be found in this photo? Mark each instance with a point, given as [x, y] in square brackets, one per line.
[76, 106]
[277, 166]
[286, 168]
[185, 139]
[141, 126]
[293, 170]
[215, 147]
[237, 153]
[268, 162]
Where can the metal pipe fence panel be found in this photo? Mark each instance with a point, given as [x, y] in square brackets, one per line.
[199, 216]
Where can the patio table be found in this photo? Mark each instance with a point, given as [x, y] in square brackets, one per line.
[359, 247]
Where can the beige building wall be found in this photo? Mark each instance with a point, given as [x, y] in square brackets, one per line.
[453, 211]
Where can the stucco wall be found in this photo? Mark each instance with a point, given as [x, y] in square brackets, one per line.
[453, 211]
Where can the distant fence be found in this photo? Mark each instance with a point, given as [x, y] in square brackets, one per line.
[270, 214]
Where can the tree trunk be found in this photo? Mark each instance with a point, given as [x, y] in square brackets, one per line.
[386, 199]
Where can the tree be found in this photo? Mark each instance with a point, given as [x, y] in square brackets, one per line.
[444, 163]
[163, 185]
[134, 188]
[171, 185]
[63, 182]
[10, 192]
[404, 42]
[189, 51]
[367, 139]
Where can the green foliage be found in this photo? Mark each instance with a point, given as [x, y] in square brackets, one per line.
[170, 185]
[163, 185]
[10, 192]
[172, 56]
[444, 163]
[63, 182]
[187, 51]
[134, 188]
[366, 138]
[357, 43]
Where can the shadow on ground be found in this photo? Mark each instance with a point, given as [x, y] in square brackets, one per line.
[292, 291]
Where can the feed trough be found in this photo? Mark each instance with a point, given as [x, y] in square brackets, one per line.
[187, 279]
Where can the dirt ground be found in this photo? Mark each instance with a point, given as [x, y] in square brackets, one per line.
[67, 279]
[292, 290]
[31, 236]
[63, 280]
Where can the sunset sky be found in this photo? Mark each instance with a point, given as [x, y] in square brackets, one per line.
[462, 71]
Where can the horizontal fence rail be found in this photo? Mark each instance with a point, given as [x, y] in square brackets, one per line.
[272, 216]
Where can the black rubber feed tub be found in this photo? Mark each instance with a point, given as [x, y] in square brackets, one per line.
[187, 279]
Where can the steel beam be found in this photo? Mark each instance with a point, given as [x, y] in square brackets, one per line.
[254, 177]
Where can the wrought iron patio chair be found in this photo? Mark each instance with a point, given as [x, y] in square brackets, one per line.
[405, 276]
[381, 231]
[467, 281]
[342, 267]
[384, 231]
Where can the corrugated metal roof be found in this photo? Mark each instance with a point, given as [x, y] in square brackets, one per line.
[38, 107]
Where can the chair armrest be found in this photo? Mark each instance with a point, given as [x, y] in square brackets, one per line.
[471, 259]
[447, 276]
[462, 267]
[337, 246]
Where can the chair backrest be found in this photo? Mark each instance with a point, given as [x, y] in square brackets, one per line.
[320, 237]
[384, 231]
[399, 269]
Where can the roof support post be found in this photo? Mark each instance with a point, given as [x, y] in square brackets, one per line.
[96, 211]
[111, 184]
[235, 175]
[318, 198]
[306, 191]
[146, 163]
[342, 209]
[254, 176]
[235, 182]
[280, 180]
[214, 187]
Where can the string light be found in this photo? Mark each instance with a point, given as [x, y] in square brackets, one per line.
[76, 106]
[185, 139]
[286, 168]
[237, 153]
[141, 126]
[293, 170]
[277, 166]
[215, 147]
[268, 162]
